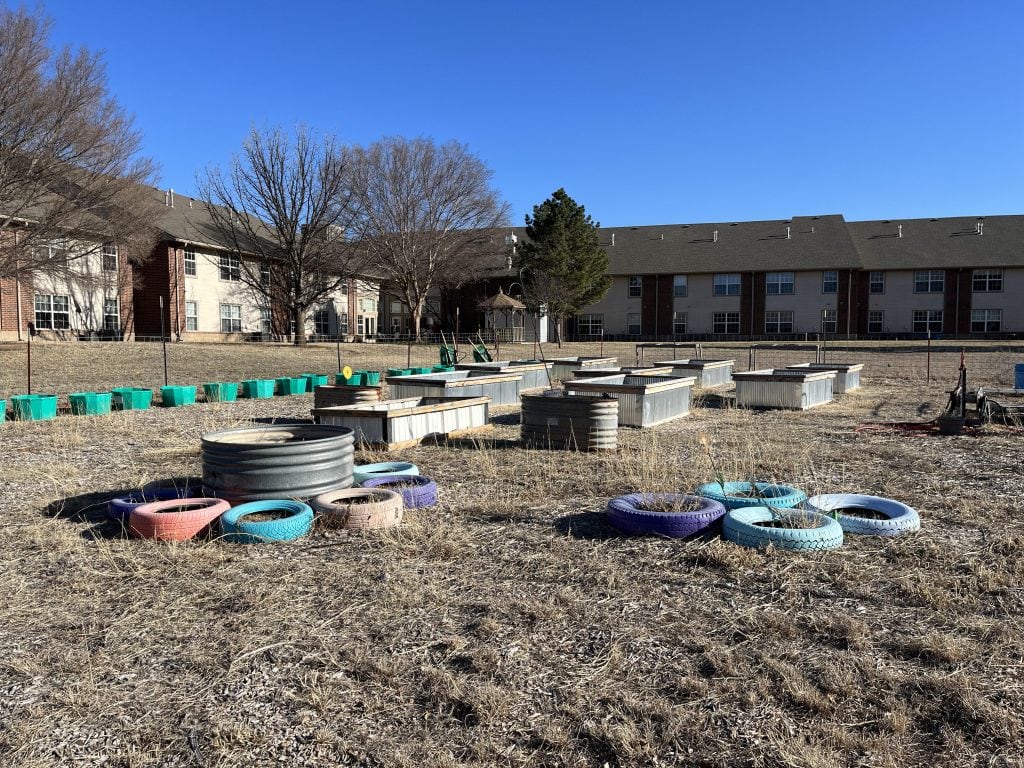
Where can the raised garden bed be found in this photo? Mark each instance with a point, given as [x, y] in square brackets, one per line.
[709, 373]
[847, 374]
[644, 400]
[559, 421]
[562, 367]
[534, 372]
[502, 388]
[787, 388]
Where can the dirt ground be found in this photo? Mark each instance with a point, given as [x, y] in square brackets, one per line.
[510, 625]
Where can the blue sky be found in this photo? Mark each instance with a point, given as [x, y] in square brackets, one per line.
[646, 112]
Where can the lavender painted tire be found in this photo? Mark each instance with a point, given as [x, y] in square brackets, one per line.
[121, 508]
[416, 490]
[628, 514]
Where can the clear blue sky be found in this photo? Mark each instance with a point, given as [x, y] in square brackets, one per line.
[646, 112]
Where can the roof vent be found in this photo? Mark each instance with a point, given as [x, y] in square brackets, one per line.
[899, 231]
[812, 230]
[613, 239]
[172, 197]
[981, 228]
[634, 228]
[715, 237]
[662, 236]
[684, 226]
[190, 202]
[787, 233]
[734, 224]
[886, 221]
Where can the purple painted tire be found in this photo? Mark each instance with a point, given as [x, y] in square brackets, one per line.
[628, 514]
[416, 490]
[120, 509]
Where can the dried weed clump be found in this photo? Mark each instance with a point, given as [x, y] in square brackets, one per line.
[510, 625]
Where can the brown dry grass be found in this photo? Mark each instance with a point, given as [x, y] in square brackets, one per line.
[510, 625]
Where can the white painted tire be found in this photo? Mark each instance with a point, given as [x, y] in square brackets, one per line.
[900, 518]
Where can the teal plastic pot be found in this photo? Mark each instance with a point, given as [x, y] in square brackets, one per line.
[372, 378]
[90, 403]
[287, 385]
[220, 392]
[357, 379]
[175, 396]
[398, 371]
[3, 411]
[258, 389]
[131, 398]
[442, 369]
[421, 370]
[314, 380]
[34, 407]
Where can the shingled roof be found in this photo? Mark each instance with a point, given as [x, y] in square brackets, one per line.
[940, 243]
[188, 221]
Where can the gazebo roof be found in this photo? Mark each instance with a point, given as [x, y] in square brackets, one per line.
[500, 301]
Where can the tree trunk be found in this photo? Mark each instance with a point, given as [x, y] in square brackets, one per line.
[558, 330]
[299, 321]
[417, 313]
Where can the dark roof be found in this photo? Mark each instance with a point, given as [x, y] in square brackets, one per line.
[500, 301]
[188, 221]
[940, 243]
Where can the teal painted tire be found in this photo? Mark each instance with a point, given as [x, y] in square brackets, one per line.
[741, 526]
[899, 518]
[771, 495]
[364, 472]
[241, 531]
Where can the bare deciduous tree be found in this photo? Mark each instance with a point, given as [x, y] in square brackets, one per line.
[426, 216]
[69, 163]
[283, 206]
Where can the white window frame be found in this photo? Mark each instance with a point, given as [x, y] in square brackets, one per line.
[230, 318]
[777, 320]
[925, 320]
[876, 280]
[108, 257]
[343, 323]
[191, 315]
[929, 281]
[830, 281]
[230, 267]
[679, 286]
[986, 320]
[830, 321]
[678, 323]
[638, 325]
[876, 321]
[46, 314]
[726, 284]
[987, 281]
[590, 324]
[721, 322]
[322, 322]
[636, 287]
[111, 320]
[191, 268]
[779, 283]
[266, 321]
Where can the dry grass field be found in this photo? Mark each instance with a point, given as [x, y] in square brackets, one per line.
[510, 626]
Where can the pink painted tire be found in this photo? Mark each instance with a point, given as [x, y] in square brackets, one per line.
[175, 519]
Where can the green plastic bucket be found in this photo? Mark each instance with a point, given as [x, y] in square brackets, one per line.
[287, 385]
[357, 379]
[131, 398]
[90, 403]
[314, 380]
[421, 370]
[442, 369]
[3, 411]
[34, 407]
[220, 391]
[176, 396]
[398, 371]
[258, 389]
[372, 378]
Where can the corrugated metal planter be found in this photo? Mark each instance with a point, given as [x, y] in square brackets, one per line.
[583, 423]
[709, 373]
[784, 388]
[405, 422]
[562, 367]
[644, 400]
[295, 461]
[534, 372]
[326, 396]
[503, 388]
[847, 374]
[590, 373]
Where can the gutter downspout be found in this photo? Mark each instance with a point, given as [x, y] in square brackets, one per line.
[752, 291]
[956, 312]
[849, 301]
[17, 291]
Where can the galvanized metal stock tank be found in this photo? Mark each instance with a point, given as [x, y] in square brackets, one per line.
[581, 423]
[294, 461]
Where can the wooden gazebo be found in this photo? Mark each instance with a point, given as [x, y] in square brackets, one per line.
[504, 305]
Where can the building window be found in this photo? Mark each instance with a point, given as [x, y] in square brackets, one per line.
[986, 320]
[725, 322]
[876, 282]
[929, 281]
[368, 305]
[322, 322]
[52, 312]
[190, 261]
[397, 307]
[111, 315]
[343, 324]
[679, 323]
[55, 254]
[266, 323]
[635, 286]
[230, 267]
[359, 325]
[927, 320]
[778, 321]
[727, 285]
[109, 257]
[191, 315]
[778, 283]
[987, 281]
[230, 318]
[679, 286]
[264, 274]
[590, 324]
[830, 281]
[633, 323]
[829, 321]
[876, 320]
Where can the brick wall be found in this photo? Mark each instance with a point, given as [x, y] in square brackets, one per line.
[161, 275]
[9, 306]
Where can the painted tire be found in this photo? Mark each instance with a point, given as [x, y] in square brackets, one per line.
[900, 518]
[627, 513]
[740, 527]
[360, 508]
[416, 490]
[775, 495]
[366, 471]
[237, 529]
[154, 520]
[120, 509]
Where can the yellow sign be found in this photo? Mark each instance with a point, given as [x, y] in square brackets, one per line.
[347, 372]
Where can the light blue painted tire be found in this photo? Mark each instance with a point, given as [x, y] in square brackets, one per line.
[740, 527]
[236, 529]
[774, 495]
[364, 472]
[900, 518]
